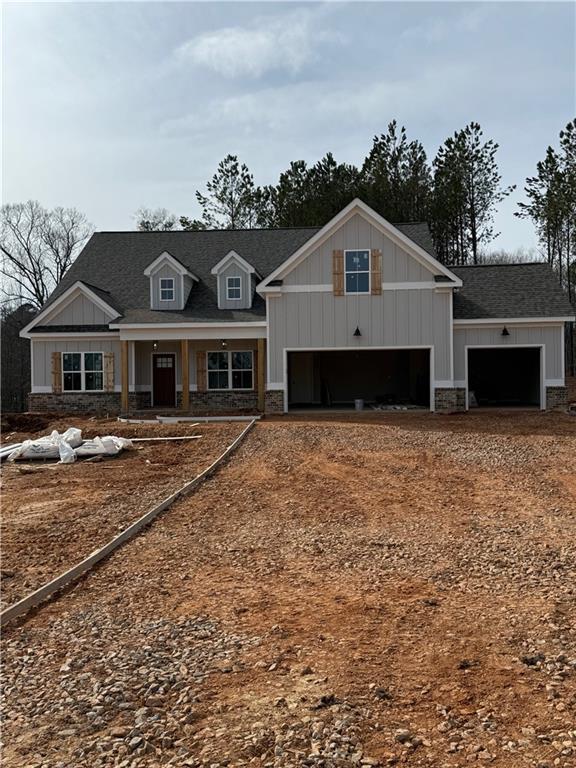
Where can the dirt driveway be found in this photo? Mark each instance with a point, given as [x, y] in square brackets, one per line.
[340, 594]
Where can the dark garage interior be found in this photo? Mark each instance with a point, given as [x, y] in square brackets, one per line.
[335, 379]
[504, 377]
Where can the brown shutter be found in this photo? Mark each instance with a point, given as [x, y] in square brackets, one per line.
[376, 272]
[338, 272]
[56, 372]
[109, 371]
[201, 371]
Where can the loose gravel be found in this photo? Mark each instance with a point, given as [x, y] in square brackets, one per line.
[338, 595]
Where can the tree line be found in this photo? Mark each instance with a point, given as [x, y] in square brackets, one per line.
[457, 193]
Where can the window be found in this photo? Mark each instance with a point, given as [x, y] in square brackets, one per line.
[233, 288]
[82, 371]
[166, 289]
[357, 269]
[230, 370]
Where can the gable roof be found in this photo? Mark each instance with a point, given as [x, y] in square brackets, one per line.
[509, 290]
[394, 232]
[115, 261]
[167, 258]
[100, 298]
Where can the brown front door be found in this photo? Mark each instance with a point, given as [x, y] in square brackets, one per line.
[164, 380]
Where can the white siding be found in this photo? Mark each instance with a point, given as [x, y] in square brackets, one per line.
[166, 271]
[80, 311]
[42, 357]
[403, 318]
[235, 270]
[397, 264]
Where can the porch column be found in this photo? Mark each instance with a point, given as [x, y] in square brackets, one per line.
[261, 372]
[124, 375]
[185, 375]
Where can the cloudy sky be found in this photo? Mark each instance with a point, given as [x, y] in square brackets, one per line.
[110, 106]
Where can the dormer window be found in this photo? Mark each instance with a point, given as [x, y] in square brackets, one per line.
[234, 288]
[167, 289]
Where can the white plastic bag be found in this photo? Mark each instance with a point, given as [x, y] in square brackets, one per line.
[67, 453]
[109, 445]
[49, 447]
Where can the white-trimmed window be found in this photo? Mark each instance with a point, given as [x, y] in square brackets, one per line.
[230, 370]
[233, 288]
[82, 372]
[357, 271]
[166, 289]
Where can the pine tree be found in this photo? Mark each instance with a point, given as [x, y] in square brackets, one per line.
[467, 189]
[395, 179]
[231, 201]
[551, 206]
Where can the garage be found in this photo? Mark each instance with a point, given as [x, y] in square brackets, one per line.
[336, 378]
[504, 377]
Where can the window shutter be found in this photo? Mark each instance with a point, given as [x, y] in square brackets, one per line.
[376, 272]
[201, 371]
[56, 372]
[109, 371]
[338, 272]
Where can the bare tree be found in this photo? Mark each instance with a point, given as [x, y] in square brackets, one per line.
[37, 246]
[155, 220]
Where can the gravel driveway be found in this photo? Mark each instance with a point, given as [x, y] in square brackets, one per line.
[340, 594]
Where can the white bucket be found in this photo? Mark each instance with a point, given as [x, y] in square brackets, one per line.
[359, 405]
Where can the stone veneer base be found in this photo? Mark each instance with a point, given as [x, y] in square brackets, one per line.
[110, 402]
[448, 399]
[556, 398]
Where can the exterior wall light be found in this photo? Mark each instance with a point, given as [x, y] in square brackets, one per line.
[505, 331]
[357, 332]
[154, 345]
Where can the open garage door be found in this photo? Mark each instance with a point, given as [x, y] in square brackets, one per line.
[335, 379]
[504, 377]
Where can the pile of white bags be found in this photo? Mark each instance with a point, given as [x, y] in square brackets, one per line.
[69, 446]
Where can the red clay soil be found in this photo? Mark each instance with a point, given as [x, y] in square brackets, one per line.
[392, 593]
[54, 515]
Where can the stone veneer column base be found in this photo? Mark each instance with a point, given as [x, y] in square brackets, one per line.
[274, 401]
[556, 398]
[449, 400]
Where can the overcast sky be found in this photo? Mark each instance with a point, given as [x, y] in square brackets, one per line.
[110, 106]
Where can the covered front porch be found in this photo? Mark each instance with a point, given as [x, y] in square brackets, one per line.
[193, 375]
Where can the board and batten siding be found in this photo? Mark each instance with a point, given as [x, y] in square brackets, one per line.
[398, 266]
[235, 270]
[80, 311]
[548, 335]
[166, 271]
[402, 318]
[42, 349]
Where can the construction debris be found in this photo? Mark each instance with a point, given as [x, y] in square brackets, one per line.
[67, 447]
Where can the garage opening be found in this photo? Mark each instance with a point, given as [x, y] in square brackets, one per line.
[336, 379]
[504, 377]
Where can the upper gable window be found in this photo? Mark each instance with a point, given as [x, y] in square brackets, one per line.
[166, 289]
[357, 271]
[234, 288]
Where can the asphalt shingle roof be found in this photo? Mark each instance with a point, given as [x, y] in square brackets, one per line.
[113, 263]
[509, 290]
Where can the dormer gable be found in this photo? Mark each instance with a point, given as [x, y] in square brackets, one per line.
[170, 282]
[236, 279]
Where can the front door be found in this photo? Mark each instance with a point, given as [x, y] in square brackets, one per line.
[164, 380]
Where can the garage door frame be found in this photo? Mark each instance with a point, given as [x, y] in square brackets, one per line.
[286, 350]
[542, 349]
